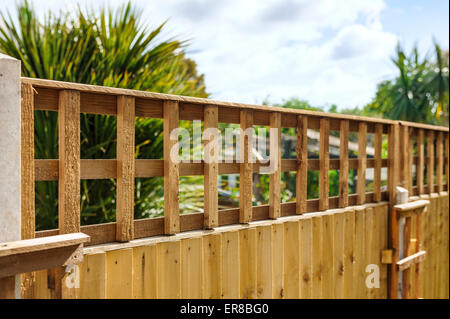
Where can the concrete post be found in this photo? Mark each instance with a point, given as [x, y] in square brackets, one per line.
[10, 214]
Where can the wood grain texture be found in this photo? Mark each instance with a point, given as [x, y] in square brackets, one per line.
[230, 260]
[430, 161]
[306, 258]
[349, 257]
[440, 161]
[212, 269]
[119, 274]
[69, 162]
[278, 243]
[264, 267]
[421, 161]
[169, 270]
[246, 169]
[93, 277]
[171, 170]
[125, 168]
[393, 161]
[192, 268]
[317, 262]
[302, 164]
[343, 161]
[247, 263]
[378, 143]
[362, 164]
[211, 167]
[275, 160]
[324, 158]
[291, 260]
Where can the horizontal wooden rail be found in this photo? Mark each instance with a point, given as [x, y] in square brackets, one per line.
[411, 206]
[407, 262]
[41, 253]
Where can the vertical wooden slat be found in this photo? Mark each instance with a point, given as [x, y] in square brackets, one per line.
[420, 161]
[369, 240]
[248, 248]
[328, 256]
[305, 258]
[430, 161]
[125, 168]
[291, 260]
[359, 273]
[169, 270]
[393, 161]
[212, 271]
[417, 288]
[338, 250]
[349, 242]
[378, 141]
[404, 157]
[278, 261]
[406, 273]
[317, 262]
[395, 255]
[145, 272]
[324, 166]
[447, 158]
[119, 274]
[93, 277]
[343, 163]
[246, 167]
[171, 170]
[230, 262]
[264, 262]
[191, 268]
[440, 161]
[27, 178]
[69, 162]
[275, 155]
[362, 164]
[211, 168]
[302, 164]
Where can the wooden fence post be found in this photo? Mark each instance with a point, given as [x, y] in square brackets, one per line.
[362, 164]
[420, 161]
[430, 161]
[343, 164]
[10, 159]
[211, 167]
[302, 164]
[275, 177]
[246, 167]
[324, 167]
[377, 167]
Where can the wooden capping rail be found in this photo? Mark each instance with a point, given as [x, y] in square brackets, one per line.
[412, 206]
[406, 263]
[29, 255]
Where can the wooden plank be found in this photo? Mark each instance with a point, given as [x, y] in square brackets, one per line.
[420, 169]
[192, 268]
[212, 269]
[145, 272]
[171, 170]
[440, 161]
[328, 257]
[119, 274]
[430, 161]
[394, 244]
[246, 170]
[7, 287]
[264, 262]
[359, 271]
[69, 162]
[291, 260]
[404, 157]
[211, 168]
[306, 258]
[362, 164]
[343, 168]
[369, 239]
[278, 260]
[302, 164]
[230, 260]
[27, 179]
[317, 262]
[125, 169]
[338, 253]
[406, 262]
[169, 270]
[393, 162]
[247, 265]
[349, 242]
[378, 141]
[447, 157]
[384, 233]
[93, 277]
[324, 157]
[275, 158]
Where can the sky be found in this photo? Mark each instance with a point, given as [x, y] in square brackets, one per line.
[323, 51]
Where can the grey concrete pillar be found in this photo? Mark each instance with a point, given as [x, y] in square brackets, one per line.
[10, 153]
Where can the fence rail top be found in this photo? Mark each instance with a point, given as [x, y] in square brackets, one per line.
[60, 85]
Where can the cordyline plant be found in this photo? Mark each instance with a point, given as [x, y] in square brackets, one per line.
[109, 48]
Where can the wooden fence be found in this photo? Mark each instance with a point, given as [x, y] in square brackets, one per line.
[70, 99]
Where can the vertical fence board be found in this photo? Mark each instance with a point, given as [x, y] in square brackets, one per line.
[349, 242]
[125, 168]
[302, 164]
[247, 243]
[447, 157]
[40, 288]
[278, 267]
[93, 277]
[119, 274]
[384, 231]
[264, 262]
[362, 164]
[305, 258]
[440, 161]
[69, 162]
[393, 161]
[324, 159]
[211, 166]
[171, 169]
[246, 167]
[230, 262]
[404, 157]
[430, 161]
[359, 267]
[343, 164]
[370, 246]
[291, 260]
[145, 272]
[191, 268]
[212, 275]
[317, 262]
[378, 143]
[169, 270]
[338, 249]
[420, 161]
[328, 256]
[275, 158]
